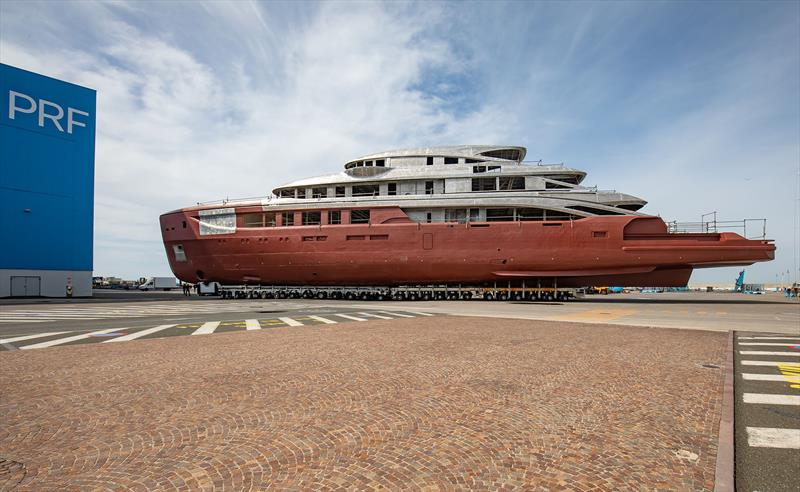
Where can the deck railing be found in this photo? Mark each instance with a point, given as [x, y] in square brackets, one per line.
[757, 228]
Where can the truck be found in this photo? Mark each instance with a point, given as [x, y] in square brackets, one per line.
[163, 283]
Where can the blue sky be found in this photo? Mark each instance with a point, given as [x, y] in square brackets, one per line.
[694, 106]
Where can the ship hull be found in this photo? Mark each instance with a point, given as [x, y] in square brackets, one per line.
[602, 250]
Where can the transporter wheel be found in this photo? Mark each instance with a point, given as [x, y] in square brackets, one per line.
[349, 296]
[321, 295]
[269, 295]
[502, 296]
[466, 296]
[488, 296]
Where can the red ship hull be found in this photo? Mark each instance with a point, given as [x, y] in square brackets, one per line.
[392, 250]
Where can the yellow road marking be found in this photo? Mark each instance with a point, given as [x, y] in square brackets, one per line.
[792, 374]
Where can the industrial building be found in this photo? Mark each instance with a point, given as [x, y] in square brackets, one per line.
[47, 146]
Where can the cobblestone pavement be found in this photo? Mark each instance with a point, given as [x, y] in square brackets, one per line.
[436, 403]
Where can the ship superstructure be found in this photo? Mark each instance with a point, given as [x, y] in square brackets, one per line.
[448, 215]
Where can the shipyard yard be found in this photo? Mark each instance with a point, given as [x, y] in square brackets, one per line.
[617, 392]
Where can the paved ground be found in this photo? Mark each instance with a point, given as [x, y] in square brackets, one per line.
[767, 412]
[439, 402]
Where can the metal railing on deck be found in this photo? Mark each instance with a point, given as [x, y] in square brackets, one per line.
[709, 224]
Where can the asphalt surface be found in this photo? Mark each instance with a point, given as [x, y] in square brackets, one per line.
[773, 465]
[693, 310]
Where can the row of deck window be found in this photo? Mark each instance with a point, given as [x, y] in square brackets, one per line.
[459, 215]
[311, 217]
[494, 183]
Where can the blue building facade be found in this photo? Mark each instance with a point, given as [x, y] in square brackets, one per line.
[47, 146]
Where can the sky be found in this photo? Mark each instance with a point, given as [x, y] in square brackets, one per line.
[694, 106]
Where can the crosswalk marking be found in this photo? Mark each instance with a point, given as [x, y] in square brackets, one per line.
[769, 363]
[373, 315]
[30, 337]
[758, 352]
[764, 344]
[769, 437]
[354, 318]
[419, 313]
[61, 341]
[769, 399]
[401, 315]
[138, 334]
[207, 328]
[201, 328]
[763, 377]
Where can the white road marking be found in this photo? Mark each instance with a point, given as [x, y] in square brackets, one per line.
[252, 324]
[763, 377]
[291, 322]
[770, 363]
[60, 341]
[769, 338]
[29, 320]
[401, 315]
[768, 399]
[373, 315]
[768, 344]
[207, 328]
[324, 320]
[354, 318]
[769, 437]
[138, 334]
[29, 337]
[781, 354]
[419, 313]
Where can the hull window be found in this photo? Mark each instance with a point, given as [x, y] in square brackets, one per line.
[319, 193]
[287, 219]
[312, 218]
[301, 192]
[499, 214]
[335, 217]
[429, 187]
[359, 216]
[451, 160]
[530, 214]
[339, 191]
[392, 189]
[429, 161]
[258, 220]
[457, 215]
